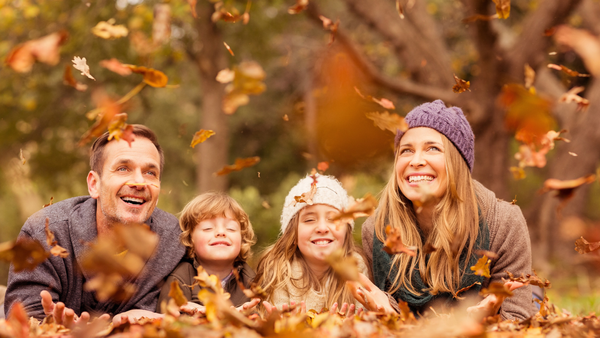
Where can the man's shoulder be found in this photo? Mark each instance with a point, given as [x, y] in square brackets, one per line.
[163, 219]
[56, 213]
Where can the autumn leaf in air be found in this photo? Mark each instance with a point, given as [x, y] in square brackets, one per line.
[529, 77]
[306, 197]
[571, 96]
[116, 66]
[567, 71]
[566, 189]
[330, 26]
[152, 77]
[498, 289]
[69, 80]
[527, 114]
[298, 7]
[243, 80]
[255, 290]
[465, 289]
[583, 246]
[482, 267]
[399, 9]
[176, 293]
[322, 166]
[201, 136]
[24, 253]
[393, 243]
[362, 207]
[81, 65]
[461, 85]
[530, 279]
[44, 50]
[226, 11]
[345, 267]
[385, 103]
[228, 48]
[584, 43]
[55, 249]
[239, 164]
[108, 30]
[517, 172]
[119, 129]
[502, 8]
[387, 121]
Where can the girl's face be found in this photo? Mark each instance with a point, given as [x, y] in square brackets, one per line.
[217, 240]
[421, 158]
[317, 233]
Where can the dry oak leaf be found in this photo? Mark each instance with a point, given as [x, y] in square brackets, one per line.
[566, 189]
[586, 45]
[583, 246]
[571, 96]
[108, 30]
[240, 163]
[298, 7]
[81, 65]
[69, 80]
[55, 249]
[482, 267]
[387, 121]
[362, 207]
[176, 293]
[44, 50]
[461, 85]
[116, 66]
[498, 289]
[201, 136]
[152, 77]
[119, 129]
[502, 8]
[385, 103]
[24, 253]
[108, 108]
[306, 197]
[227, 12]
[567, 71]
[529, 279]
[346, 267]
[399, 9]
[393, 243]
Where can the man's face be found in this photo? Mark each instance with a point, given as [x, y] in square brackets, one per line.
[127, 191]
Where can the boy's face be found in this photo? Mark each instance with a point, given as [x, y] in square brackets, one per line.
[217, 240]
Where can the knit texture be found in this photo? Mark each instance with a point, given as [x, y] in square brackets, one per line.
[329, 192]
[451, 122]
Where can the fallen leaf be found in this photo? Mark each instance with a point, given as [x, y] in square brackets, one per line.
[81, 65]
[498, 289]
[567, 71]
[49, 204]
[69, 80]
[119, 129]
[228, 48]
[393, 243]
[107, 109]
[116, 66]
[482, 267]
[45, 50]
[405, 313]
[226, 11]
[323, 166]
[583, 246]
[152, 77]
[285, 118]
[201, 136]
[244, 79]
[23, 254]
[461, 85]
[176, 293]
[239, 164]
[306, 197]
[502, 8]
[255, 291]
[298, 7]
[571, 96]
[465, 289]
[387, 121]
[108, 30]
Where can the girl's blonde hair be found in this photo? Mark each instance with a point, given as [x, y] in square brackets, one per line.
[210, 205]
[455, 227]
[274, 269]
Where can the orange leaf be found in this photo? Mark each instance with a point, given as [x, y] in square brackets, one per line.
[45, 50]
[176, 293]
[108, 109]
[346, 267]
[385, 120]
[526, 113]
[482, 267]
[192, 4]
[571, 96]
[461, 85]
[502, 8]
[385, 103]
[518, 172]
[529, 76]
[362, 207]
[116, 66]
[119, 129]
[152, 77]
[393, 243]
[400, 9]
[201, 136]
[323, 166]
[567, 71]
[498, 289]
[583, 246]
[529, 279]
[306, 197]
[23, 254]
[69, 80]
[18, 321]
[240, 164]
[566, 189]
[298, 7]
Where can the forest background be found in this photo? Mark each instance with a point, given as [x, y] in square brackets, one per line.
[406, 51]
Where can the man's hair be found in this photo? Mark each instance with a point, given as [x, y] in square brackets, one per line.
[211, 205]
[97, 151]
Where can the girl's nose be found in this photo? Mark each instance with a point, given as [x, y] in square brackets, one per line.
[322, 225]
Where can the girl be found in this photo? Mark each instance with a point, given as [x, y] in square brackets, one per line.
[433, 161]
[294, 270]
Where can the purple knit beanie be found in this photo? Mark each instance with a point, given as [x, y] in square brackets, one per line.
[451, 122]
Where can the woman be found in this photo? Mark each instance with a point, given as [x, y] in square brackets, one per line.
[432, 199]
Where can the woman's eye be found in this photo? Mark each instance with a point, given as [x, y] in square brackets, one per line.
[404, 151]
[434, 148]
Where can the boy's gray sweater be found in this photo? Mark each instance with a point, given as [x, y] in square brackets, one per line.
[73, 222]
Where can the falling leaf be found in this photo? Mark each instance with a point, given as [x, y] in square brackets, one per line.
[226, 11]
[119, 129]
[239, 164]
[116, 66]
[330, 26]
[502, 8]
[201, 136]
[583, 246]
[298, 7]
[518, 172]
[161, 25]
[49, 204]
[45, 50]
[482, 267]
[387, 121]
[228, 48]
[585, 44]
[286, 118]
[255, 290]
[527, 113]
[152, 77]
[192, 4]
[405, 313]
[322, 166]
[306, 197]
[527, 157]
[479, 17]
[567, 71]
[23, 254]
[108, 108]
[266, 205]
[362, 207]
[461, 85]
[393, 243]
[81, 65]
[571, 96]
[530, 279]
[246, 79]
[529, 76]
[513, 202]
[498, 289]
[108, 30]
[346, 267]
[176, 293]
[572, 154]
[21, 157]
[385, 103]
[69, 80]
[566, 189]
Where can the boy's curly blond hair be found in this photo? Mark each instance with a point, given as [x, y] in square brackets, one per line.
[211, 205]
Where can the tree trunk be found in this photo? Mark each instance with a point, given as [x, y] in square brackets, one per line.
[212, 154]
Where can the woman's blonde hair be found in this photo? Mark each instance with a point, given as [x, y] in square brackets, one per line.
[455, 227]
[210, 205]
[274, 269]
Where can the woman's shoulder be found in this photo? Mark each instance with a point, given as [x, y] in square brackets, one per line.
[497, 212]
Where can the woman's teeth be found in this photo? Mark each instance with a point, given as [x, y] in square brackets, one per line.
[413, 179]
[322, 242]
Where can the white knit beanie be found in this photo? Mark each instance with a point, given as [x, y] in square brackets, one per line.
[329, 192]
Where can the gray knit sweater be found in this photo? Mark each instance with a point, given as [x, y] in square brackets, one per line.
[509, 238]
[73, 222]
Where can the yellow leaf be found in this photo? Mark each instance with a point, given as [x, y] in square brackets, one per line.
[482, 268]
[502, 8]
[201, 136]
[176, 293]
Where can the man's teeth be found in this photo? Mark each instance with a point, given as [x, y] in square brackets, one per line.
[323, 242]
[413, 179]
[133, 200]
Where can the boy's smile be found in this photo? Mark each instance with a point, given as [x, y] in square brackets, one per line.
[217, 240]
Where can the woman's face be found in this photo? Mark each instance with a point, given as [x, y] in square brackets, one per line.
[421, 159]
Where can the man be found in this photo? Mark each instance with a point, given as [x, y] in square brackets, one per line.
[116, 197]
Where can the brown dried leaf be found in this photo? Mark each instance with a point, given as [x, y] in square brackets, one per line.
[482, 268]
[461, 85]
[583, 246]
[465, 289]
[177, 295]
[387, 121]
[152, 77]
[201, 136]
[502, 8]
[585, 44]
[240, 163]
[346, 267]
[246, 79]
[529, 279]
[108, 30]
[49, 204]
[306, 197]
[566, 189]
[69, 80]
[567, 71]
[405, 313]
[23, 254]
[393, 243]
[527, 114]
[45, 50]
[298, 7]
[529, 76]
[116, 66]
[107, 109]
[255, 290]
[498, 289]
[385, 103]
[362, 207]
[571, 96]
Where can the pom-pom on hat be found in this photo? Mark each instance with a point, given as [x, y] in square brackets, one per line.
[329, 192]
[451, 122]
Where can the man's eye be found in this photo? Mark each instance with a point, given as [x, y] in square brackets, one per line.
[152, 173]
[122, 169]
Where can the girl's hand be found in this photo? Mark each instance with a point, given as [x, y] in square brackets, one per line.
[370, 296]
[192, 308]
[345, 311]
[132, 316]
[269, 307]
[248, 305]
[491, 304]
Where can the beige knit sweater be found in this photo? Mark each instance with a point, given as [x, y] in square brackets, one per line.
[313, 300]
[509, 238]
